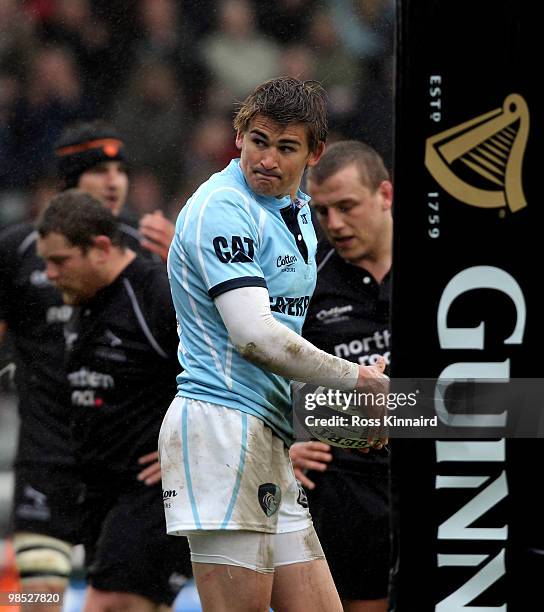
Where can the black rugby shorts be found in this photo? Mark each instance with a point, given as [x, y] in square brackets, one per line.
[127, 548]
[351, 516]
[46, 501]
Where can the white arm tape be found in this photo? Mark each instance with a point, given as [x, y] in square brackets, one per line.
[267, 343]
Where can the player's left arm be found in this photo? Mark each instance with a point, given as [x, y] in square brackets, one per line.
[269, 344]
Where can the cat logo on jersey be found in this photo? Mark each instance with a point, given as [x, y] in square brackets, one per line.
[238, 250]
[479, 162]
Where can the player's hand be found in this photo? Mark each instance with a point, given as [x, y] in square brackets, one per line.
[373, 380]
[380, 443]
[158, 232]
[311, 455]
[150, 475]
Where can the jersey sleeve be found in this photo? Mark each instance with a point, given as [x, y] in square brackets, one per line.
[225, 243]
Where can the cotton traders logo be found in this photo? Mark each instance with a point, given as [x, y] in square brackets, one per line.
[337, 313]
[479, 162]
[286, 260]
[269, 496]
[240, 249]
[287, 263]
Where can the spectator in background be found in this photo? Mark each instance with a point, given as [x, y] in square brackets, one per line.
[168, 36]
[146, 201]
[145, 193]
[348, 492]
[9, 93]
[165, 35]
[17, 38]
[18, 206]
[111, 39]
[366, 26]
[210, 148]
[298, 61]
[286, 20]
[43, 191]
[343, 72]
[237, 55]
[15, 204]
[73, 25]
[53, 96]
[368, 33]
[97, 39]
[152, 118]
[122, 36]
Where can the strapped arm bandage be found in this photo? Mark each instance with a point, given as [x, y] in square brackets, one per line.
[269, 344]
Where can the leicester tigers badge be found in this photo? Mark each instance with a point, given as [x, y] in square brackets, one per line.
[269, 496]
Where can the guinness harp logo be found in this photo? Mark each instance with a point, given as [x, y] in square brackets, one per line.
[479, 162]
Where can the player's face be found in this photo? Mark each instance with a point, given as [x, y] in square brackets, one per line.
[107, 182]
[273, 157]
[354, 218]
[71, 270]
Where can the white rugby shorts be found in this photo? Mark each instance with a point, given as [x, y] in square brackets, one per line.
[225, 469]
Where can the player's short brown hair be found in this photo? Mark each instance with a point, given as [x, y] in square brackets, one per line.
[344, 153]
[287, 100]
[79, 217]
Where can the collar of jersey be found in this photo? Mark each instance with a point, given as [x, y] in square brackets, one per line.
[354, 271]
[270, 202]
[103, 294]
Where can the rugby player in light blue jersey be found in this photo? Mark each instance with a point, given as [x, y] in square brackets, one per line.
[242, 271]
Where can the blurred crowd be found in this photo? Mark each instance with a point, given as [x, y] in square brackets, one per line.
[167, 72]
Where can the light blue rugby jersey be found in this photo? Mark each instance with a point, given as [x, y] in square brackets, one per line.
[228, 237]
